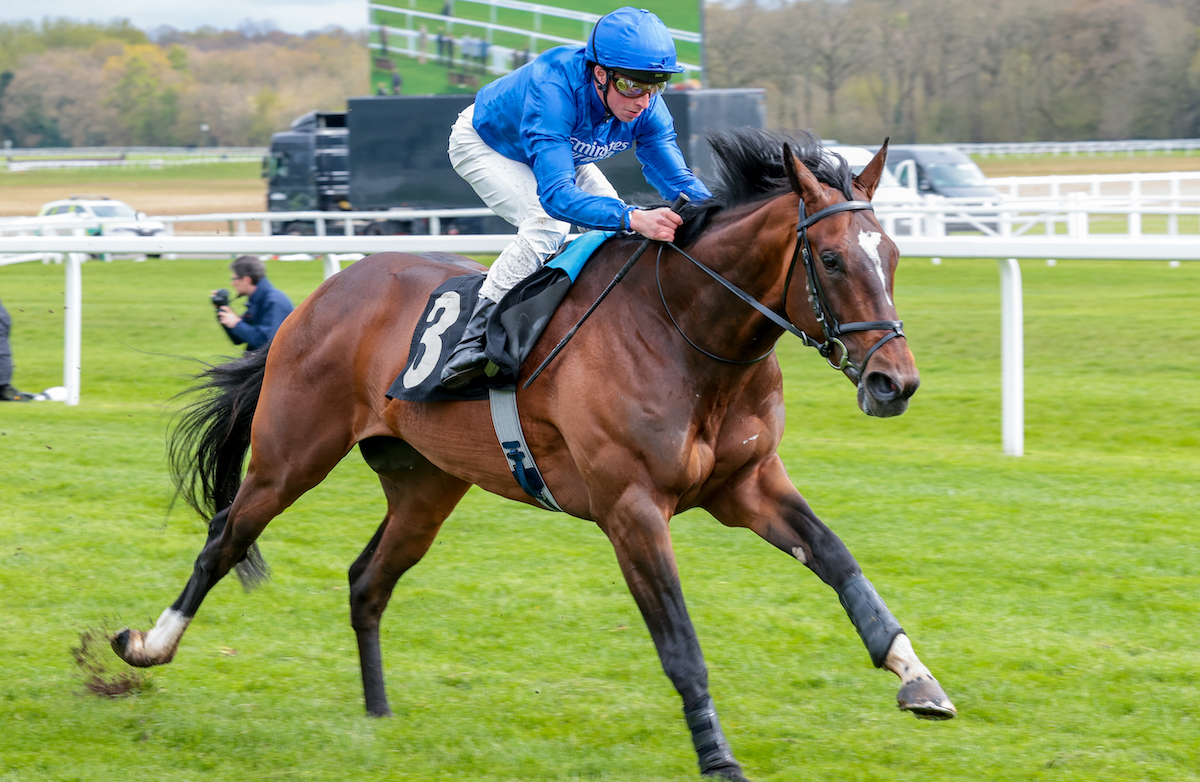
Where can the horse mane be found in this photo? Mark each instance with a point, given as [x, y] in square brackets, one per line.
[748, 165]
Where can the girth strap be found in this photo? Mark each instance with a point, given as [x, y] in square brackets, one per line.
[507, 422]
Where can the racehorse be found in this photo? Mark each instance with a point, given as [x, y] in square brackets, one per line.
[669, 398]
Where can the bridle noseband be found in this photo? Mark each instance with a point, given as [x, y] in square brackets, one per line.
[830, 327]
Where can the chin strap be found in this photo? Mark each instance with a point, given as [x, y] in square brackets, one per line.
[603, 87]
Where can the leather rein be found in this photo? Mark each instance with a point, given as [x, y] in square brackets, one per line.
[830, 327]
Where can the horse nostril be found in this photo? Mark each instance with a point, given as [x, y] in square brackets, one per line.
[881, 387]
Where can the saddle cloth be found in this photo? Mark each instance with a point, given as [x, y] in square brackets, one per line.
[514, 328]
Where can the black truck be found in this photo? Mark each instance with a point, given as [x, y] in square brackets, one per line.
[389, 152]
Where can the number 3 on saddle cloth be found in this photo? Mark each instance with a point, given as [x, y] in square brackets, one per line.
[514, 328]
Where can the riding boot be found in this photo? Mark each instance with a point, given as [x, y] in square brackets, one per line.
[467, 361]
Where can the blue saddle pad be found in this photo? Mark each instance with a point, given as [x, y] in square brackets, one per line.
[574, 254]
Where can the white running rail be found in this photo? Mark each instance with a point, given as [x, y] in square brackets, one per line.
[1128, 147]
[1006, 249]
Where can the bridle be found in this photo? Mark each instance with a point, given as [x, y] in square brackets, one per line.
[830, 327]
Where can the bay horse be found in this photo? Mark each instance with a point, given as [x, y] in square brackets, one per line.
[669, 398]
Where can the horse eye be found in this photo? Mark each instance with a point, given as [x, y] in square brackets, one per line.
[831, 260]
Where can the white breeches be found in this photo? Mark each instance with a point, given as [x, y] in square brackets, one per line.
[510, 189]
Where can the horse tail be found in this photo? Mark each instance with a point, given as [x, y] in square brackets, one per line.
[209, 440]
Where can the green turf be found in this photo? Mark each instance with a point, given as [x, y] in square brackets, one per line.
[244, 170]
[1055, 595]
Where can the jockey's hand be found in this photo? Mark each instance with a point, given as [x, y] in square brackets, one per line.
[657, 224]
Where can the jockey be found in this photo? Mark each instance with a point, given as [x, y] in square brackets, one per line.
[529, 143]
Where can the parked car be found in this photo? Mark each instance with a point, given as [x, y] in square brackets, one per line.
[936, 169]
[105, 216]
[939, 170]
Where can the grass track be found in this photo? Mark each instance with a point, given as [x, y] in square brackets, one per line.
[1054, 595]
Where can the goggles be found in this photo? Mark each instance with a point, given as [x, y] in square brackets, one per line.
[635, 89]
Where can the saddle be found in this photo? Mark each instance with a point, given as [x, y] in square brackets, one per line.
[514, 328]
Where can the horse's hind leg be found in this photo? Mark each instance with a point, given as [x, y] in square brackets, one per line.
[766, 501]
[420, 497]
[286, 462]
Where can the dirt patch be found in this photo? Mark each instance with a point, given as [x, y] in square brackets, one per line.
[1070, 165]
[102, 672]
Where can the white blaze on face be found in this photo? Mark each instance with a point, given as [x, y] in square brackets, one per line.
[869, 241]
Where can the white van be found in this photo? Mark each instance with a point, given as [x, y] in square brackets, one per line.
[938, 169]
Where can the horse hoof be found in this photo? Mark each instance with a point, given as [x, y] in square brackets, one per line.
[727, 773]
[128, 646]
[926, 700]
[380, 712]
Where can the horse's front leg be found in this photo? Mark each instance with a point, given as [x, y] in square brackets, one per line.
[765, 500]
[637, 527]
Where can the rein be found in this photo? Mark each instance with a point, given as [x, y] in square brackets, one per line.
[830, 327]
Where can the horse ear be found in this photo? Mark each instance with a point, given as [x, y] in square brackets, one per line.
[802, 180]
[868, 180]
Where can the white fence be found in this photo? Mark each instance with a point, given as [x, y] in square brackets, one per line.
[150, 163]
[124, 157]
[1006, 249]
[324, 223]
[1128, 147]
[1163, 187]
[134, 151]
[1074, 216]
[75, 249]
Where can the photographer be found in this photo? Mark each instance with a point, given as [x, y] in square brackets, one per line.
[265, 310]
[7, 392]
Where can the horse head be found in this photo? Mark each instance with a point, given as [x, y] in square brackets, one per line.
[849, 265]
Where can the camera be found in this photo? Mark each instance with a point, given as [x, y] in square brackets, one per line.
[220, 298]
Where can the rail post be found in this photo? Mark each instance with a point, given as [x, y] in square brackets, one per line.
[1012, 358]
[1173, 218]
[1077, 219]
[1135, 206]
[1005, 223]
[73, 323]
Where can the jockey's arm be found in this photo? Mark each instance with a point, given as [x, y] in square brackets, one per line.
[662, 161]
[563, 200]
[554, 167]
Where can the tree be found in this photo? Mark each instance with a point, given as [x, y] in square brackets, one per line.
[141, 88]
[837, 49]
